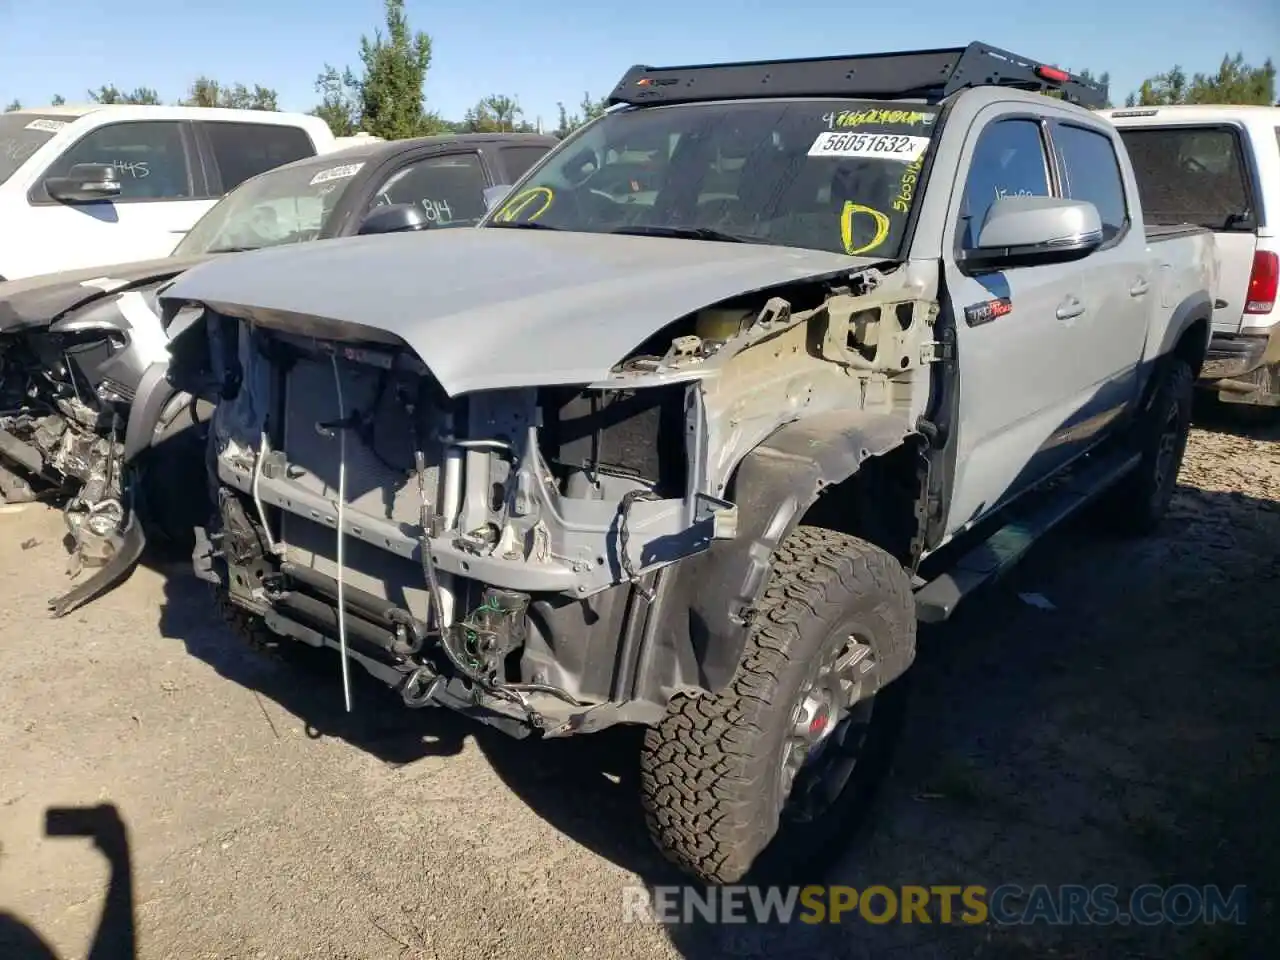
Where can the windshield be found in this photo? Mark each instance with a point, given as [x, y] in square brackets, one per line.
[836, 175]
[286, 205]
[21, 135]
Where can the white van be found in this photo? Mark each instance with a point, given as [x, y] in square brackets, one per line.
[81, 186]
[1219, 166]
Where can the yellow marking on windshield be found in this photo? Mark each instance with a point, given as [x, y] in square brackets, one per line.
[858, 118]
[907, 185]
[522, 201]
[846, 227]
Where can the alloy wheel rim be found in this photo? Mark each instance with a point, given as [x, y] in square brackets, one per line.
[828, 730]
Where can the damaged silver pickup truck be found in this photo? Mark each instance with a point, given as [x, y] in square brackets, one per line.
[739, 383]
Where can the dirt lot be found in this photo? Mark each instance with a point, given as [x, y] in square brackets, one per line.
[1128, 735]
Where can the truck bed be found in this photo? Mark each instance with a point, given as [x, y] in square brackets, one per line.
[1159, 232]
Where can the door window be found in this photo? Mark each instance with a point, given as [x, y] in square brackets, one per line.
[1008, 161]
[149, 154]
[1090, 171]
[517, 160]
[448, 189]
[244, 150]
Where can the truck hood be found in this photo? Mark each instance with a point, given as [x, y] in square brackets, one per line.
[38, 301]
[490, 308]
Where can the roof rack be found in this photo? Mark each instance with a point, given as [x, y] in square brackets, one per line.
[929, 75]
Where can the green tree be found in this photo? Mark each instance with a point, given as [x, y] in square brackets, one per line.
[13, 105]
[205, 92]
[588, 110]
[58, 100]
[496, 113]
[1234, 82]
[1103, 80]
[109, 93]
[395, 68]
[387, 99]
[592, 108]
[339, 101]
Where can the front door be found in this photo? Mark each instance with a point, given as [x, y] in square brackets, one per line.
[1039, 372]
[448, 188]
[157, 204]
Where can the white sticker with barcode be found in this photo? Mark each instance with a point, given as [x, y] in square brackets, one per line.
[46, 126]
[336, 173]
[877, 146]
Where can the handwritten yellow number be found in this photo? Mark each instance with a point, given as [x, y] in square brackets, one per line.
[846, 227]
[522, 201]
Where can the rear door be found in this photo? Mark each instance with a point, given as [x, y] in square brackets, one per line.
[1122, 287]
[1201, 174]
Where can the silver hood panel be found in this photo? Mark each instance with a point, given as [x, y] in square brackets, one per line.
[494, 308]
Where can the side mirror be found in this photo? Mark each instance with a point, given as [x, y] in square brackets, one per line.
[85, 183]
[393, 218]
[1026, 231]
[494, 195]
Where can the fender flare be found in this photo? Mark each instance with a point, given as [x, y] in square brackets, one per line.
[773, 486]
[154, 403]
[1193, 309]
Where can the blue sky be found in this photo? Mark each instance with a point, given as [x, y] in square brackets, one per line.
[542, 52]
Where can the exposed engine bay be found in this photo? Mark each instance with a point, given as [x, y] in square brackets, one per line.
[505, 549]
[86, 414]
[62, 424]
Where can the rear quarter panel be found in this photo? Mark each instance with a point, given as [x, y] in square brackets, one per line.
[1185, 273]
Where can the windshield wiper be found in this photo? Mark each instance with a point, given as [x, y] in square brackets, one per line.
[230, 249]
[687, 233]
[522, 225]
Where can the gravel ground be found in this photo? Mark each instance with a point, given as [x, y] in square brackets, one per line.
[1128, 735]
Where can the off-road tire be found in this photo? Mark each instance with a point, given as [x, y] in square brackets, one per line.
[709, 771]
[1137, 504]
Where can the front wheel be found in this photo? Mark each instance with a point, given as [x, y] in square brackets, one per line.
[769, 774]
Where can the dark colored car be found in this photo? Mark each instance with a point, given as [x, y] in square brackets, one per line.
[86, 408]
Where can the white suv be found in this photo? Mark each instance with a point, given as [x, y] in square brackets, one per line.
[1219, 166]
[99, 184]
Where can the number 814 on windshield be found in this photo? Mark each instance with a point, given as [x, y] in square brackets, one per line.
[880, 146]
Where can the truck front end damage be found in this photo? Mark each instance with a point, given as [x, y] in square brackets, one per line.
[61, 437]
[81, 353]
[505, 551]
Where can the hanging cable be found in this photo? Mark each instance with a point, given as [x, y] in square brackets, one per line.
[342, 535]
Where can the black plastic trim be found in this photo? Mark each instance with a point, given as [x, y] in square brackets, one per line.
[931, 75]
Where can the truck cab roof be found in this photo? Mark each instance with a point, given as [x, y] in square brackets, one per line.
[140, 111]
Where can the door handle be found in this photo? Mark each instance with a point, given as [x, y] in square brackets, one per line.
[1070, 308]
[1140, 287]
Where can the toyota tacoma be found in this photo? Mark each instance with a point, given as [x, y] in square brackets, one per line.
[739, 383]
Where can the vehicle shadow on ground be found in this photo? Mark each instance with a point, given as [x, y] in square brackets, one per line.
[307, 683]
[1240, 420]
[1105, 716]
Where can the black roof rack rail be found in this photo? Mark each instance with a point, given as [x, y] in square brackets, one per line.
[929, 75]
